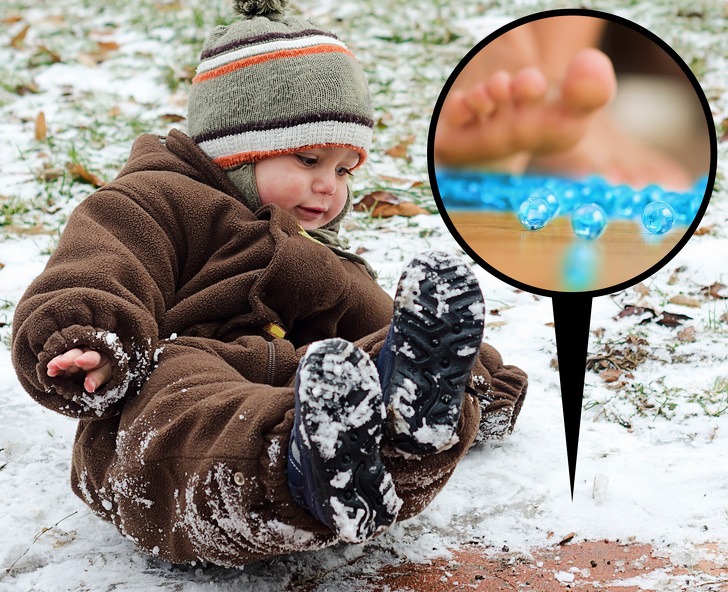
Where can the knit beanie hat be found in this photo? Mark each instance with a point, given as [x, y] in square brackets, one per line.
[270, 84]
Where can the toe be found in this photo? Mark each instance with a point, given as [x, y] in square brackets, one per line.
[499, 87]
[590, 82]
[529, 85]
[456, 111]
[479, 100]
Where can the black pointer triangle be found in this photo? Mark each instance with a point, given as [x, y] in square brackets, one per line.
[572, 313]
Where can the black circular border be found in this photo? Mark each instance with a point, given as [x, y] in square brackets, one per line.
[637, 28]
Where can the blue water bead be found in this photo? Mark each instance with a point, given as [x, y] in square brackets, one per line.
[658, 217]
[568, 198]
[701, 184]
[630, 204]
[605, 197]
[586, 192]
[617, 196]
[653, 192]
[549, 196]
[459, 191]
[534, 213]
[589, 221]
[682, 204]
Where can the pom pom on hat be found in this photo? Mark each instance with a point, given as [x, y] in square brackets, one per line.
[267, 8]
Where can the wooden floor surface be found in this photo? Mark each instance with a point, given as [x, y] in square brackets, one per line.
[553, 258]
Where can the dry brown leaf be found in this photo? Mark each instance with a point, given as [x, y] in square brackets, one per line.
[635, 340]
[687, 334]
[18, 39]
[86, 59]
[716, 290]
[41, 131]
[172, 117]
[641, 289]
[382, 204]
[496, 324]
[675, 275]
[48, 173]
[704, 230]
[54, 19]
[684, 300]
[672, 319]
[53, 56]
[37, 228]
[107, 46]
[80, 173]
[406, 208]
[24, 89]
[630, 310]
[103, 51]
[400, 149]
[115, 111]
[167, 7]
[11, 20]
[2, 265]
[384, 121]
[724, 317]
[610, 375]
[370, 199]
[566, 539]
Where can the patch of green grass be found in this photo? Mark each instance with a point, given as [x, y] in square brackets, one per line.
[11, 209]
[657, 400]
[714, 401]
[717, 320]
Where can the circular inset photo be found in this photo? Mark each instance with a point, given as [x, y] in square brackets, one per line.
[572, 151]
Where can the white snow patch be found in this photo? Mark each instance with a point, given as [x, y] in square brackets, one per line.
[467, 351]
[341, 479]
[441, 437]
[274, 451]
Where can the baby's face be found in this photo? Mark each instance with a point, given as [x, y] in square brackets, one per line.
[309, 184]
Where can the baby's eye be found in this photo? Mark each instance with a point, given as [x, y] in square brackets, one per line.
[342, 171]
[306, 160]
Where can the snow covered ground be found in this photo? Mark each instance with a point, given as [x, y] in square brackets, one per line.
[653, 456]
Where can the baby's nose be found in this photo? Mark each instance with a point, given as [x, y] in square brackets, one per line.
[325, 184]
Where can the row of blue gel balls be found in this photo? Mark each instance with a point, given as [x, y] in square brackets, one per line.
[590, 202]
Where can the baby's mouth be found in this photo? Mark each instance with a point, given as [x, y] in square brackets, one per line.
[310, 213]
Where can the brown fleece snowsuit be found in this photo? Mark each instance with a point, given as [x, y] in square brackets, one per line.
[181, 285]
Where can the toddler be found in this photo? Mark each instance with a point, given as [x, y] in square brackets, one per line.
[243, 386]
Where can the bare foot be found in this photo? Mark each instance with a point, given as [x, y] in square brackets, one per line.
[502, 121]
[608, 151]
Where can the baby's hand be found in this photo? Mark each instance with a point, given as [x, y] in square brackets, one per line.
[96, 365]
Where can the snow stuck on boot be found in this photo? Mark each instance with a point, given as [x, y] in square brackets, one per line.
[342, 414]
[438, 328]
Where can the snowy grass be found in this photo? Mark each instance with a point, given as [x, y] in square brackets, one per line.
[653, 440]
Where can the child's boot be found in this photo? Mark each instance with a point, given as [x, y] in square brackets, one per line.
[433, 341]
[334, 467]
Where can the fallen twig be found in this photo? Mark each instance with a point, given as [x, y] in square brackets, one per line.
[40, 534]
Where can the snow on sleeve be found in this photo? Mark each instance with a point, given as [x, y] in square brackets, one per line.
[99, 402]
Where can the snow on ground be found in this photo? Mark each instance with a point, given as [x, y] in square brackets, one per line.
[653, 456]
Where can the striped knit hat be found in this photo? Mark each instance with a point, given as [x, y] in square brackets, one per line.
[270, 84]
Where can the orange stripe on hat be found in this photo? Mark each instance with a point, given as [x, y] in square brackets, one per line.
[259, 59]
[235, 160]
